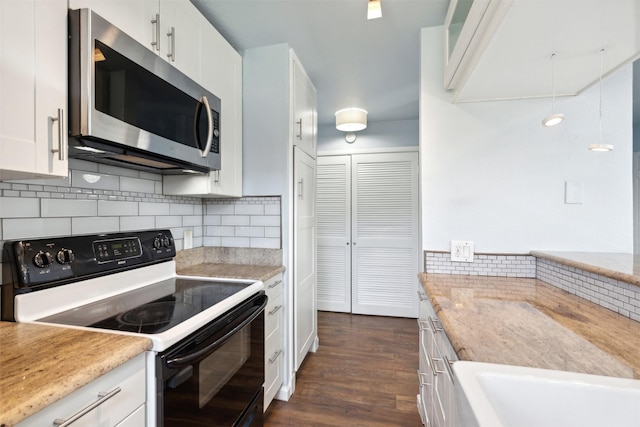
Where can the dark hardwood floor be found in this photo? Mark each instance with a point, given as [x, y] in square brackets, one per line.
[364, 374]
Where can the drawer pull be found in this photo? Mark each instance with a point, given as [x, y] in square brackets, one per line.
[433, 322]
[275, 356]
[275, 310]
[423, 378]
[102, 397]
[274, 284]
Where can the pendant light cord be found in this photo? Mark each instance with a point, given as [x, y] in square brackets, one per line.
[553, 85]
[600, 105]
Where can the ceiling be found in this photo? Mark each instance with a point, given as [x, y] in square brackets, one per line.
[352, 62]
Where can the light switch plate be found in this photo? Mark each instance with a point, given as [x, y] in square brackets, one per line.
[461, 251]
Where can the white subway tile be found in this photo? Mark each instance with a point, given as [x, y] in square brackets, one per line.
[249, 210]
[220, 231]
[157, 188]
[180, 209]
[117, 208]
[272, 232]
[211, 241]
[68, 207]
[220, 209]
[150, 176]
[272, 209]
[94, 180]
[236, 242]
[168, 221]
[212, 220]
[92, 225]
[148, 208]
[191, 220]
[266, 221]
[130, 223]
[23, 228]
[249, 231]
[137, 185]
[18, 207]
[83, 165]
[237, 220]
[116, 170]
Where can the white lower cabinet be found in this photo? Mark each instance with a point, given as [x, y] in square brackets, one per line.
[274, 343]
[436, 398]
[125, 408]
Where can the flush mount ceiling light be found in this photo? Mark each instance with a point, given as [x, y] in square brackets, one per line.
[600, 147]
[553, 118]
[374, 9]
[351, 119]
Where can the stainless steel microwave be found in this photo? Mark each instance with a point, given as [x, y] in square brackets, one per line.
[129, 107]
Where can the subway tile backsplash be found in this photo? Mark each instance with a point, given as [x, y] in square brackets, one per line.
[99, 198]
[507, 265]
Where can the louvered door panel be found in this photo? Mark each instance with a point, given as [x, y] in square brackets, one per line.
[385, 234]
[334, 233]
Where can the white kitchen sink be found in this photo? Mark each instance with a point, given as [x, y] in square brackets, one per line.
[514, 396]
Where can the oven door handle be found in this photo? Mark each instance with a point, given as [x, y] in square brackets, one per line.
[195, 356]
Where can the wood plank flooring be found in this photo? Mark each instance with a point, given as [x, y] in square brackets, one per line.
[364, 374]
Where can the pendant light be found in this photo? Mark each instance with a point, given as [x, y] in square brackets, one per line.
[600, 146]
[553, 118]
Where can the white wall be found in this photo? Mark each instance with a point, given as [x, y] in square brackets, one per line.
[385, 134]
[490, 173]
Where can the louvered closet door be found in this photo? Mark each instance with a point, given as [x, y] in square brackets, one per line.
[334, 233]
[385, 234]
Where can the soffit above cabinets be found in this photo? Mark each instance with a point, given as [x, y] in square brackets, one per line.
[516, 60]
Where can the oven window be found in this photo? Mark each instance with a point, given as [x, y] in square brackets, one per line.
[216, 370]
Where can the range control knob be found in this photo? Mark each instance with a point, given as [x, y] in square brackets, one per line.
[166, 241]
[43, 259]
[65, 256]
[157, 243]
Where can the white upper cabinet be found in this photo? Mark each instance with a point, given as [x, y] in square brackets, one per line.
[501, 49]
[222, 75]
[33, 88]
[304, 110]
[170, 28]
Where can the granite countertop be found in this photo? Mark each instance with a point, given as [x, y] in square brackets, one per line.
[41, 364]
[526, 322]
[231, 271]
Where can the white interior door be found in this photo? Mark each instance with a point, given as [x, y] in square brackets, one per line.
[385, 256]
[304, 274]
[334, 233]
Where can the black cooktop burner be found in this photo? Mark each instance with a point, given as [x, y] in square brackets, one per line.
[151, 309]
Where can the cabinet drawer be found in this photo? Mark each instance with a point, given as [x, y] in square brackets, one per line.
[273, 318]
[130, 378]
[273, 286]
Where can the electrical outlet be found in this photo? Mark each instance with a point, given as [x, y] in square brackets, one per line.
[188, 239]
[461, 251]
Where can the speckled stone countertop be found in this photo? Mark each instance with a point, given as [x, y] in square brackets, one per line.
[619, 266]
[232, 271]
[527, 322]
[41, 364]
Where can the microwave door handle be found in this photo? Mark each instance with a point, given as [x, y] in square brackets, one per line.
[207, 148]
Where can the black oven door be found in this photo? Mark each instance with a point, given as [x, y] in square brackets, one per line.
[215, 377]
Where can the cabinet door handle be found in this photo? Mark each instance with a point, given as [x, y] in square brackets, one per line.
[60, 120]
[274, 284]
[156, 23]
[102, 397]
[299, 123]
[447, 366]
[300, 187]
[172, 39]
[275, 310]
[275, 356]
